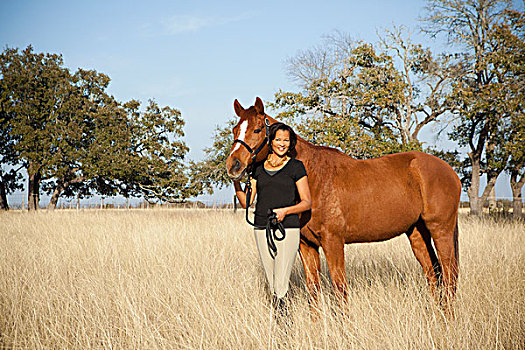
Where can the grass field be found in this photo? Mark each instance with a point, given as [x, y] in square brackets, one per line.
[191, 279]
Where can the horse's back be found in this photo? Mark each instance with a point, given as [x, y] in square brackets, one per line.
[377, 199]
[416, 183]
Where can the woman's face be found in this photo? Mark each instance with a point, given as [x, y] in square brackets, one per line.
[281, 142]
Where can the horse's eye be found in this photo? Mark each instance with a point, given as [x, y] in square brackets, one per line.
[256, 131]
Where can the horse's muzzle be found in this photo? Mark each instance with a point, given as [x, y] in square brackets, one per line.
[235, 168]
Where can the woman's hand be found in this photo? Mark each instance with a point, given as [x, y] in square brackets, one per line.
[281, 213]
[303, 205]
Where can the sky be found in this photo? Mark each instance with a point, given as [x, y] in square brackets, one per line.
[198, 56]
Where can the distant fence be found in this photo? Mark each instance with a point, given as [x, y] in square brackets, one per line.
[499, 204]
[19, 201]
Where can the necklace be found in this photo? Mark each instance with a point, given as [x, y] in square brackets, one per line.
[275, 161]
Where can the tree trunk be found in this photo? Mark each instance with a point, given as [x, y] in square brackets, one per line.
[489, 188]
[517, 204]
[476, 201]
[516, 186]
[33, 193]
[492, 199]
[54, 198]
[62, 185]
[476, 206]
[3, 197]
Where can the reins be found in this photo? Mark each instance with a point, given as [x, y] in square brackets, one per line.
[272, 224]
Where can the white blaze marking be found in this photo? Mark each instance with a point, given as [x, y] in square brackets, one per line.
[242, 134]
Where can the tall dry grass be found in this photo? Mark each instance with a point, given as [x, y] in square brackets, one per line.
[191, 279]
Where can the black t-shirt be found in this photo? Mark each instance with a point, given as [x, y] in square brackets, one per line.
[278, 191]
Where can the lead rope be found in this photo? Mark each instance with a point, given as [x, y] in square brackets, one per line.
[272, 225]
[271, 232]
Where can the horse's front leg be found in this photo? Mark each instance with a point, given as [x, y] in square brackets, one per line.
[312, 267]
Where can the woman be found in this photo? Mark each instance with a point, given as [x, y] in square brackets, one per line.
[282, 186]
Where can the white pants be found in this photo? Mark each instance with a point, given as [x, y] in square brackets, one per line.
[278, 270]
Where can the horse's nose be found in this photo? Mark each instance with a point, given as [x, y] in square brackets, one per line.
[236, 166]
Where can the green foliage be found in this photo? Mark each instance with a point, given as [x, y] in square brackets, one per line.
[367, 101]
[9, 170]
[32, 86]
[211, 171]
[157, 152]
[488, 95]
[352, 97]
[70, 133]
[509, 37]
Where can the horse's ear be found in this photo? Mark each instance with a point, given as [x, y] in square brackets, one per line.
[259, 106]
[238, 108]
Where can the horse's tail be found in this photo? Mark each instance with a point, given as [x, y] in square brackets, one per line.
[456, 243]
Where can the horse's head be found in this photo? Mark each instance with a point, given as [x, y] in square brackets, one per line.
[250, 139]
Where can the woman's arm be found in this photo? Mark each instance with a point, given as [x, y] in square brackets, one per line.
[241, 195]
[304, 205]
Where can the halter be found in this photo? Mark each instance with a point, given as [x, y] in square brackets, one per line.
[261, 146]
[272, 226]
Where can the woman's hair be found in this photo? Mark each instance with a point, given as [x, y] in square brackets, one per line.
[293, 138]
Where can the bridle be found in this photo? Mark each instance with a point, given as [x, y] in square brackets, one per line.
[272, 225]
[255, 152]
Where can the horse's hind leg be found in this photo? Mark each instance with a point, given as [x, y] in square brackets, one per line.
[445, 237]
[421, 244]
[312, 267]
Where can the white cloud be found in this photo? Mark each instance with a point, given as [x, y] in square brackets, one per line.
[186, 23]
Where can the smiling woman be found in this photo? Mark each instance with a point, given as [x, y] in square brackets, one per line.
[282, 186]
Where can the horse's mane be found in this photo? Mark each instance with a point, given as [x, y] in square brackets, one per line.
[322, 148]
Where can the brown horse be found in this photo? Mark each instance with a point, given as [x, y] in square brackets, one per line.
[365, 201]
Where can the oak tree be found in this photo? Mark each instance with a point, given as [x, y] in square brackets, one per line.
[32, 85]
[482, 100]
[73, 137]
[367, 100]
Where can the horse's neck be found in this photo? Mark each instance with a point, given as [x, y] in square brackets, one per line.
[306, 151]
[311, 154]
